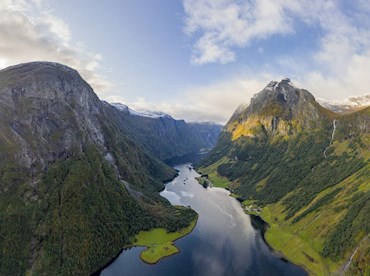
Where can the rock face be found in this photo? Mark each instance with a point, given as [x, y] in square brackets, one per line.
[74, 186]
[291, 101]
[49, 111]
[166, 137]
[307, 166]
[280, 108]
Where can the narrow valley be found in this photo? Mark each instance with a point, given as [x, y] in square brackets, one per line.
[223, 242]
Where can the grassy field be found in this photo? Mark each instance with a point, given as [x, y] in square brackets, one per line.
[218, 181]
[302, 242]
[213, 176]
[292, 245]
[160, 243]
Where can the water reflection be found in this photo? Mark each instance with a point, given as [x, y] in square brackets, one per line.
[224, 241]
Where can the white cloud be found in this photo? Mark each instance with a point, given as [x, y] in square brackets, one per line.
[215, 102]
[352, 80]
[337, 69]
[29, 32]
[343, 60]
[220, 25]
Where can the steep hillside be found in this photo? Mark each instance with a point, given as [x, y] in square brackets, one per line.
[73, 187]
[166, 137]
[308, 169]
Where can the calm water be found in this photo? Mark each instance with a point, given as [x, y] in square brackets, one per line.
[224, 241]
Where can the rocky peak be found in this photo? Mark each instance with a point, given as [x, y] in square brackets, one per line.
[281, 97]
[49, 111]
[273, 111]
[273, 85]
[46, 81]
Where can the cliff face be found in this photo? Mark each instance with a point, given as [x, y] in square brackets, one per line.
[280, 108]
[74, 187]
[166, 137]
[307, 167]
[47, 113]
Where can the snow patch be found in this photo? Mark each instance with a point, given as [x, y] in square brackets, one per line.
[270, 86]
[273, 85]
[149, 114]
[141, 113]
[348, 104]
[120, 107]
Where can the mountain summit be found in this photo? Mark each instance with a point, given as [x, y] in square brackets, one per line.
[306, 171]
[279, 108]
[49, 112]
[284, 92]
[74, 187]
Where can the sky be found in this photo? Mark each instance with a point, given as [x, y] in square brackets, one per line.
[197, 60]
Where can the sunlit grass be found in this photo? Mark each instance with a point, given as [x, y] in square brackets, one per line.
[213, 176]
[159, 242]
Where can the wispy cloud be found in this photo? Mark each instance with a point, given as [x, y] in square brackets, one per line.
[215, 102]
[339, 62]
[343, 57]
[221, 25]
[336, 68]
[29, 31]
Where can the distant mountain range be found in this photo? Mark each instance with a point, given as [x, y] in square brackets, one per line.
[76, 183]
[143, 113]
[166, 137]
[306, 171]
[348, 105]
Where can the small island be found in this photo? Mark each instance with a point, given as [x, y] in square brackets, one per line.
[204, 181]
[160, 242]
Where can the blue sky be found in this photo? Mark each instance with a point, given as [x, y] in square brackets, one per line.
[195, 59]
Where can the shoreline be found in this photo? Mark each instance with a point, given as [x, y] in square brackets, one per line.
[277, 252]
[263, 232]
[254, 215]
[128, 247]
[172, 243]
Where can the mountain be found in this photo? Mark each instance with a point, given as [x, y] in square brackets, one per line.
[165, 137]
[74, 187]
[306, 171]
[348, 105]
[143, 113]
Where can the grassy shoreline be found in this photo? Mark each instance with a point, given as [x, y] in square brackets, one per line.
[279, 236]
[159, 243]
[293, 247]
[274, 234]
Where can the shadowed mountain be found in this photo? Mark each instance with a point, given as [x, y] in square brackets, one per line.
[166, 137]
[74, 187]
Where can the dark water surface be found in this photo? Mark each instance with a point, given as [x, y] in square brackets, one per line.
[224, 242]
